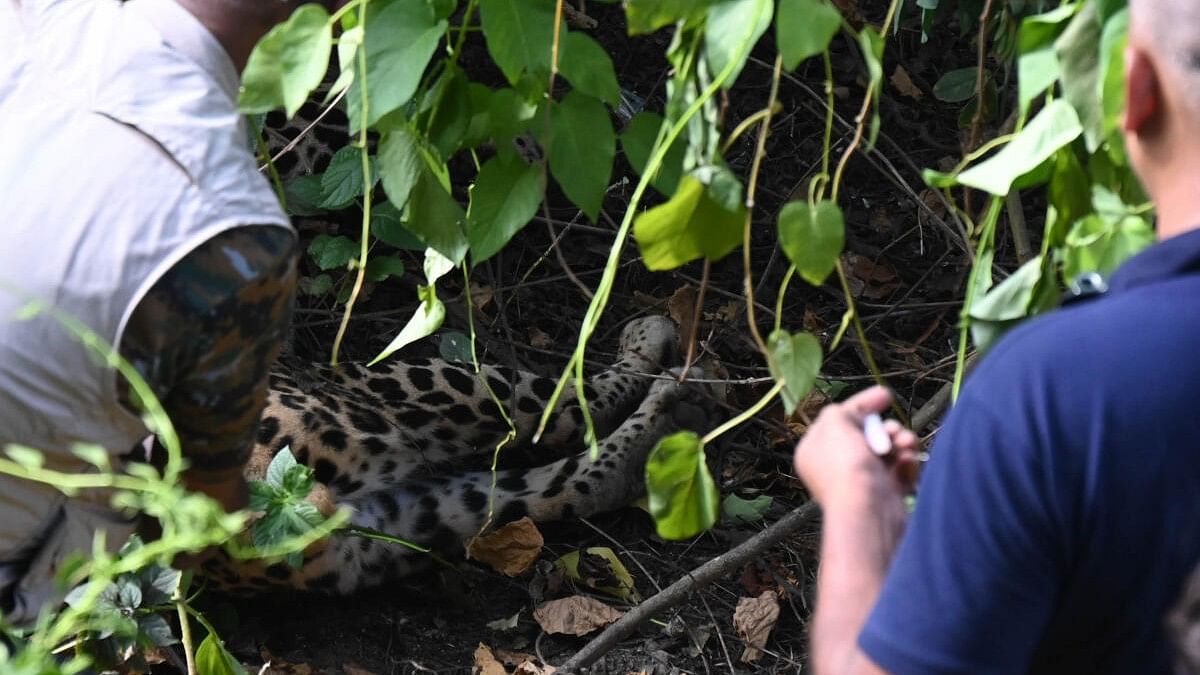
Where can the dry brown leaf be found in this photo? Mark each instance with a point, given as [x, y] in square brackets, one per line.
[647, 301]
[481, 295]
[486, 663]
[576, 615]
[871, 280]
[682, 308]
[531, 668]
[539, 339]
[904, 84]
[512, 658]
[934, 202]
[355, 669]
[727, 312]
[753, 620]
[510, 550]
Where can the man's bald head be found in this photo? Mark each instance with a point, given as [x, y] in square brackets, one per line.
[1169, 31]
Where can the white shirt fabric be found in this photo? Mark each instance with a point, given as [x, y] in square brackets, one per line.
[121, 150]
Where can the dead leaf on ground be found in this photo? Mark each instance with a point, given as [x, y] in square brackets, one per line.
[904, 84]
[531, 668]
[481, 295]
[934, 202]
[647, 301]
[576, 615]
[486, 663]
[505, 624]
[753, 620]
[511, 549]
[682, 308]
[727, 312]
[599, 568]
[539, 339]
[355, 669]
[870, 279]
[510, 658]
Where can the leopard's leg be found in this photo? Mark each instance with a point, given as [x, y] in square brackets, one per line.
[370, 429]
[443, 513]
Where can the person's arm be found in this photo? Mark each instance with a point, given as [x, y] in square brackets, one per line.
[862, 499]
[205, 338]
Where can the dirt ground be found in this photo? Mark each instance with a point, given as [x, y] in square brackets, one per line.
[906, 266]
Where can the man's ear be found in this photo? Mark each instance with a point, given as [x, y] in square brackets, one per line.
[1143, 95]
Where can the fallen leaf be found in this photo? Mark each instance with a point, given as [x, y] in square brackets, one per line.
[682, 308]
[481, 295]
[511, 549]
[575, 615]
[502, 625]
[753, 620]
[486, 663]
[904, 84]
[530, 668]
[647, 301]
[871, 280]
[727, 312]
[355, 669]
[509, 658]
[599, 569]
[934, 202]
[539, 339]
[882, 221]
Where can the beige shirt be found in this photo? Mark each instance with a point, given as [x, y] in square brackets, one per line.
[122, 150]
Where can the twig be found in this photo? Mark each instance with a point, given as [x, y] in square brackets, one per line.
[697, 579]
[1016, 223]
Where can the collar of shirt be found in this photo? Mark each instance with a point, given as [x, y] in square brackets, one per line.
[188, 36]
[1172, 257]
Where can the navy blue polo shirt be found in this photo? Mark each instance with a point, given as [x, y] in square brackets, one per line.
[1060, 514]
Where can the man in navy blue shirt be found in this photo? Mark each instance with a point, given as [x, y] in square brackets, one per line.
[1059, 518]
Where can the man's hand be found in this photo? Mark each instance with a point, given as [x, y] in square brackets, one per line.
[836, 464]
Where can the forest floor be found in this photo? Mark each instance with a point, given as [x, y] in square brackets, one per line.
[906, 265]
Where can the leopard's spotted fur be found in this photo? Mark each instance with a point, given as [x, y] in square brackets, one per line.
[389, 442]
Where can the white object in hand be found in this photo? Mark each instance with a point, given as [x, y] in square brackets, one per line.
[877, 437]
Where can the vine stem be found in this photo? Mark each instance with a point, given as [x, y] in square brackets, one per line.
[760, 150]
[745, 414]
[368, 184]
[185, 629]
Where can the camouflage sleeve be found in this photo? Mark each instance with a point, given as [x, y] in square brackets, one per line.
[205, 337]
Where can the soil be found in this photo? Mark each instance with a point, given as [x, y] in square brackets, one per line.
[905, 269]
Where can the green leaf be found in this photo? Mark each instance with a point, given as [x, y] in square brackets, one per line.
[213, 659]
[682, 495]
[154, 629]
[318, 285]
[400, 39]
[436, 218]
[732, 30]
[400, 164]
[638, 141]
[804, 28]
[330, 252]
[588, 67]
[26, 457]
[1007, 303]
[1055, 126]
[956, 86]
[519, 34]
[1097, 245]
[129, 594]
[304, 196]
[287, 63]
[602, 571]
[454, 346]
[692, 224]
[510, 114]
[298, 481]
[745, 510]
[280, 464]
[1078, 56]
[647, 16]
[794, 360]
[1113, 39]
[453, 113]
[381, 267]
[387, 225]
[812, 237]
[93, 454]
[158, 584]
[504, 198]
[582, 149]
[1037, 65]
[424, 321]
[342, 182]
[871, 43]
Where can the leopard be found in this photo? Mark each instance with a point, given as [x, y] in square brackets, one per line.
[389, 443]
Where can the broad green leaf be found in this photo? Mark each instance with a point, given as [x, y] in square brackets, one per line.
[588, 67]
[400, 164]
[682, 496]
[342, 182]
[436, 266]
[304, 196]
[213, 659]
[388, 226]
[794, 360]
[454, 346]
[330, 252]
[158, 583]
[638, 141]
[647, 16]
[318, 285]
[1006, 303]
[871, 44]
[1055, 126]
[381, 267]
[504, 198]
[1037, 65]
[436, 218]
[347, 47]
[451, 94]
[737, 509]
[732, 30]
[692, 224]
[1079, 58]
[155, 629]
[581, 150]
[812, 237]
[26, 457]
[956, 86]
[287, 63]
[1097, 245]
[1112, 72]
[93, 454]
[602, 571]
[428, 318]
[400, 39]
[519, 35]
[510, 114]
[280, 464]
[804, 28]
